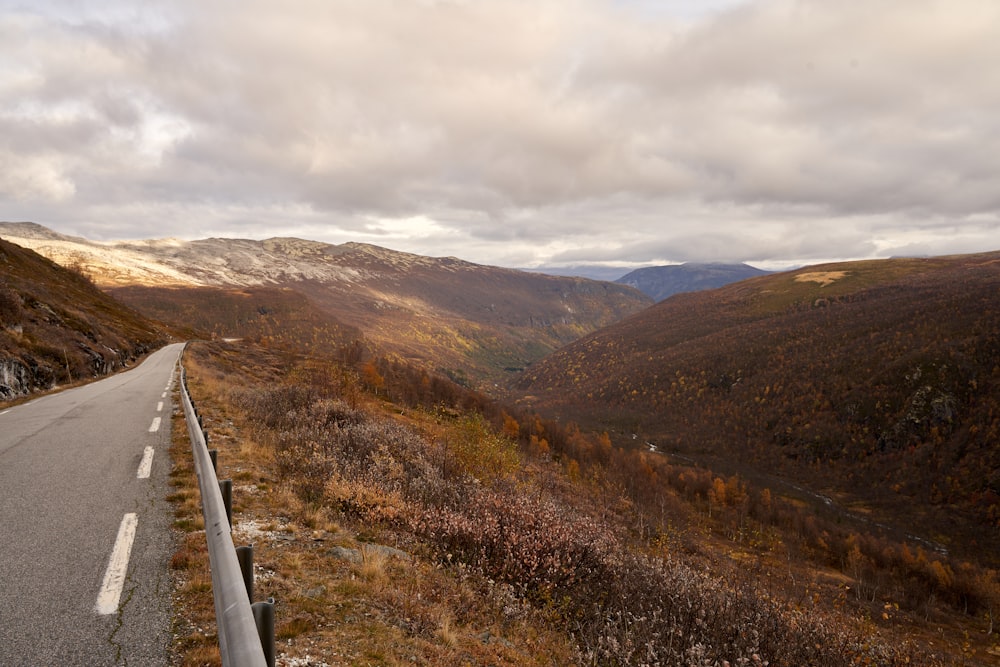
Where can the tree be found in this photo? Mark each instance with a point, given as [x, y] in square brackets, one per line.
[372, 377]
[510, 426]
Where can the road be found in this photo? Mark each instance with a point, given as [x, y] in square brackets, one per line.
[85, 527]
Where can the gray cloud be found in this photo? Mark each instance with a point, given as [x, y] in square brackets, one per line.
[508, 131]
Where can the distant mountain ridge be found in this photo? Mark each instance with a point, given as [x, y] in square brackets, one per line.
[463, 318]
[661, 282]
[204, 262]
[592, 271]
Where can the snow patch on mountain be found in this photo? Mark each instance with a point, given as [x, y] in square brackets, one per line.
[205, 262]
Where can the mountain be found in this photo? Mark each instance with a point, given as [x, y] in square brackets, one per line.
[56, 327]
[660, 282]
[473, 322]
[876, 383]
[592, 271]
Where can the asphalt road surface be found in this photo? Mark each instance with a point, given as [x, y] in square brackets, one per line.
[85, 527]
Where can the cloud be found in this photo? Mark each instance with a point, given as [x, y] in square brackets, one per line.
[35, 177]
[509, 131]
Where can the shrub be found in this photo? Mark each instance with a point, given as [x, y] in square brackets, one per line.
[11, 311]
[328, 450]
[541, 548]
[620, 607]
[481, 452]
[624, 608]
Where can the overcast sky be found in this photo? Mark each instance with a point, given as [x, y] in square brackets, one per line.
[511, 132]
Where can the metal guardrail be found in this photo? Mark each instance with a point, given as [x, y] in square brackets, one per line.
[241, 641]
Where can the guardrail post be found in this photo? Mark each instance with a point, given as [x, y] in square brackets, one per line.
[245, 556]
[263, 616]
[214, 455]
[226, 489]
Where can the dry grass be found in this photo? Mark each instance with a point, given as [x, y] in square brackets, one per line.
[824, 278]
[493, 564]
[195, 641]
[373, 565]
[378, 609]
[447, 632]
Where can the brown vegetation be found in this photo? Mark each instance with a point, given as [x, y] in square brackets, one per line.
[351, 586]
[880, 389]
[281, 318]
[595, 575]
[478, 324]
[400, 517]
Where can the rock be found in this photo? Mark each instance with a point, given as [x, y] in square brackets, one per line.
[317, 592]
[391, 552]
[343, 553]
[357, 556]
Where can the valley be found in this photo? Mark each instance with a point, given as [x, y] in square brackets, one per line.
[478, 324]
[872, 380]
[596, 333]
[817, 447]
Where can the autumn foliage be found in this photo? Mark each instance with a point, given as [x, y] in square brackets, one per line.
[883, 383]
[506, 509]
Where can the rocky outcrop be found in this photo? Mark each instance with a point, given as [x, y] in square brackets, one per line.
[15, 379]
[24, 375]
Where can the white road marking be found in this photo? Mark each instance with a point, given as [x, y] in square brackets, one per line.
[114, 576]
[146, 465]
[4, 412]
[155, 426]
[163, 395]
[159, 406]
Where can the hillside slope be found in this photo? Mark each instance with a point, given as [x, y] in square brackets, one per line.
[57, 327]
[876, 382]
[474, 322]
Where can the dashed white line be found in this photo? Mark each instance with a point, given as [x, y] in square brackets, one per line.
[4, 412]
[163, 395]
[146, 465]
[155, 426]
[114, 576]
[159, 406]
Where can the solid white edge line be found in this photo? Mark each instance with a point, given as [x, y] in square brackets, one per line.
[114, 576]
[155, 426]
[146, 465]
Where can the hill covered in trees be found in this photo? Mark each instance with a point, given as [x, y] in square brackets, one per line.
[876, 383]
